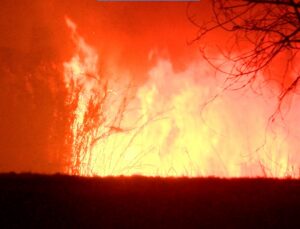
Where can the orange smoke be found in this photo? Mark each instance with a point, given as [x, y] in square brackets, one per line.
[178, 123]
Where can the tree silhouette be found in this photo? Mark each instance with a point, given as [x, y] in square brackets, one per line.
[263, 31]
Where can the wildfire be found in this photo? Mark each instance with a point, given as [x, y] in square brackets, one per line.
[177, 123]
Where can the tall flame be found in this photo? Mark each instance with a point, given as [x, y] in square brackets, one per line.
[177, 124]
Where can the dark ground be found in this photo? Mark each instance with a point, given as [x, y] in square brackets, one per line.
[36, 201]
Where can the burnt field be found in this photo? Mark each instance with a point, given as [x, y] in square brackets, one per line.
[58, 201]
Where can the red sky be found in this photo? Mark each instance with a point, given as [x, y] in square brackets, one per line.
[34, 36]
[124, 30]
[34, 44]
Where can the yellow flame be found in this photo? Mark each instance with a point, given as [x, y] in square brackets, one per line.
[173, 127]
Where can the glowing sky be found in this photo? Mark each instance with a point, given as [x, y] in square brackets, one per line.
[146, 42]
[34, 35]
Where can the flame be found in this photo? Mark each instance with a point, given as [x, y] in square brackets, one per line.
[177, 124]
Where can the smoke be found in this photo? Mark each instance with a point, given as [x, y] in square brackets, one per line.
[166, 115]
[179, 123]
[205, 130]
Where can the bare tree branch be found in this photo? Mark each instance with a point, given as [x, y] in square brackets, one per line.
[266, 29]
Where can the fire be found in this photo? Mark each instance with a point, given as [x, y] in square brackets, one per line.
[177, 123]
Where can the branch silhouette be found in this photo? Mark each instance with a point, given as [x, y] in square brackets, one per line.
[267, 28]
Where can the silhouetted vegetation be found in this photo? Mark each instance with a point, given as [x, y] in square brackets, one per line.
[38, 201]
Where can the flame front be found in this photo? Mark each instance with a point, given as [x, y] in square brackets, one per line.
[176, 124]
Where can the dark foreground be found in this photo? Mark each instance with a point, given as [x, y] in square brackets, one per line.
[35, 201]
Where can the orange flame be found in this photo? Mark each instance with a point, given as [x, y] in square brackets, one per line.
[178, 124]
